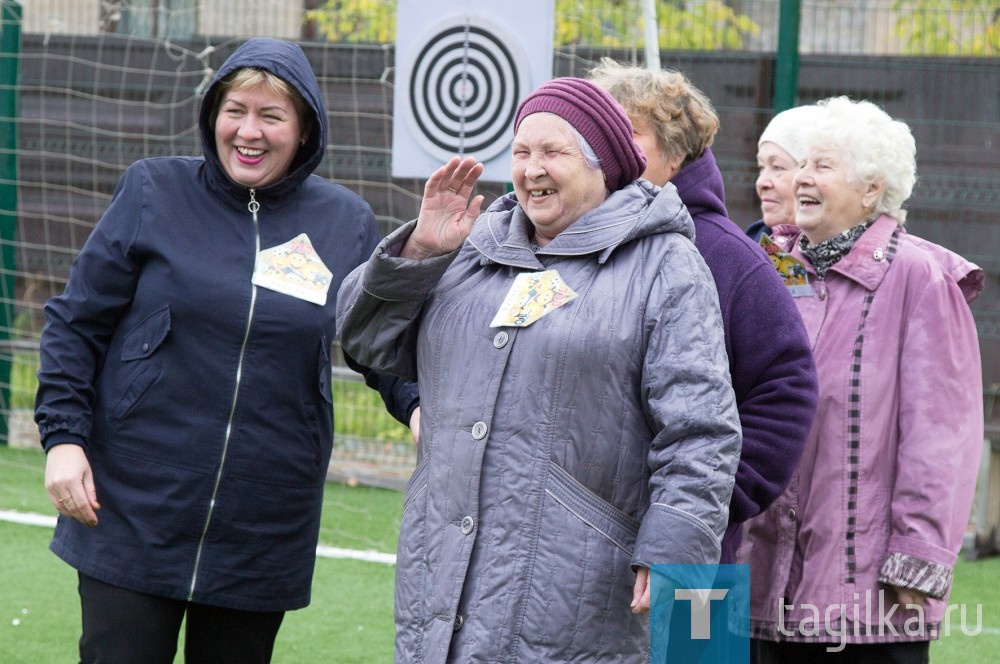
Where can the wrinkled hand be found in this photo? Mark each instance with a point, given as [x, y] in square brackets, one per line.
[446, 214]
[910, 596]
[70, 483]
[640, 592]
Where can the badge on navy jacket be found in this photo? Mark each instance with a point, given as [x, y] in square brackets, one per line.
[293, 268]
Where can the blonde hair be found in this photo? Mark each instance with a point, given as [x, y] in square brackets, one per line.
[682, 115]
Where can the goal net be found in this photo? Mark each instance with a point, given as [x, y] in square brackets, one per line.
[100, 84]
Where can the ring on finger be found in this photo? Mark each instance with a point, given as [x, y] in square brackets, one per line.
[453, 190]
[64, 500]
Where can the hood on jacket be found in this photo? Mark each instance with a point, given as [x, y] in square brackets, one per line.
[969, 276]
[700, 186]
[288, 62]
[503, 233]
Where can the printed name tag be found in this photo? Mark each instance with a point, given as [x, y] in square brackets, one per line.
[532, 295]
[791, 269]
[293, 268]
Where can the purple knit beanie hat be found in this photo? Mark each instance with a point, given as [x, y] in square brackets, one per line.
[599, 119]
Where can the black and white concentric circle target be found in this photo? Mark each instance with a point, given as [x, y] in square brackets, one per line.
[466, 83]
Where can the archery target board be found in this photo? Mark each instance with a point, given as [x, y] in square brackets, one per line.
[459, 79]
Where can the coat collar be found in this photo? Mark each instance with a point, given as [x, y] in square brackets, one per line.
[700, 186]
[502, 234]
[868, 260]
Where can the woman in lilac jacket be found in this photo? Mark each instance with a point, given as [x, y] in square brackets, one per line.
[854, 561]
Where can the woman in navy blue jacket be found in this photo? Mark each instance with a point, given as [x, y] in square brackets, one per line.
[184, 393]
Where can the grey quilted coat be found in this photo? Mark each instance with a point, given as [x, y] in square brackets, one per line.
[552, 457]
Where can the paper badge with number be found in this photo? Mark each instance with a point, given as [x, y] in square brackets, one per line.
[791, 269]
[533, 295]
[293, 268]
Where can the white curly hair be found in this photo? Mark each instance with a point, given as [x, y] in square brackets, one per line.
[875, 147]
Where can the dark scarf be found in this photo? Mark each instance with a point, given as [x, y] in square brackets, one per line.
[825, 254]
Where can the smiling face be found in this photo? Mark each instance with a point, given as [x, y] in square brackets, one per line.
[552, 180]
[257, 134]
[775, 172]
[829, 199]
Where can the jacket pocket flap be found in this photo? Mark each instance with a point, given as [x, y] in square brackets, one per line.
[142, 340]
[616, 526]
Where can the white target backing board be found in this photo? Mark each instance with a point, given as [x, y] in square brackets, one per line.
[461, 70]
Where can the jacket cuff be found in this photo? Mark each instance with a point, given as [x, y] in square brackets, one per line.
[903, 571]
[63, 438]
[669, 536]
[414, 404]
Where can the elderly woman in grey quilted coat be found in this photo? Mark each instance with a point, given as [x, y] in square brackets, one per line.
[578, 420]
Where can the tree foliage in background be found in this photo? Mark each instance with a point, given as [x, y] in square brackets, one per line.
[706, 26]
[949, 27]
[356, 21]
[709, 25]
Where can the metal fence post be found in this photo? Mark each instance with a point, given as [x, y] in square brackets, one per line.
[10, 57]
[786, 68]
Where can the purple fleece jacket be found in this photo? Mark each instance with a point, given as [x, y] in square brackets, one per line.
[770, 358]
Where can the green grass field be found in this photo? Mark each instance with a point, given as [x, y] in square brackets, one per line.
[350, 618]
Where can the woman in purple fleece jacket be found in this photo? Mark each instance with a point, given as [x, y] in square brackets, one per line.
[769, 354]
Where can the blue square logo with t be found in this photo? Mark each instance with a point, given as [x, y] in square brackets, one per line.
[699, 614]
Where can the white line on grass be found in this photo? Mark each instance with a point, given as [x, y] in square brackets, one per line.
[30, 519]
[367, 556]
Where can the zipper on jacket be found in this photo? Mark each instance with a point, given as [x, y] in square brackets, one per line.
[253, 206]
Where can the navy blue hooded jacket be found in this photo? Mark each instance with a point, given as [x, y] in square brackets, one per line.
[202, 400]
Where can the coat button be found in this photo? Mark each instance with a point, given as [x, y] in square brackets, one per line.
[145, 348]
[479, 430]
[878, 254]
[500, 340]
[468, 523]
[459, 621]
[792, 514]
